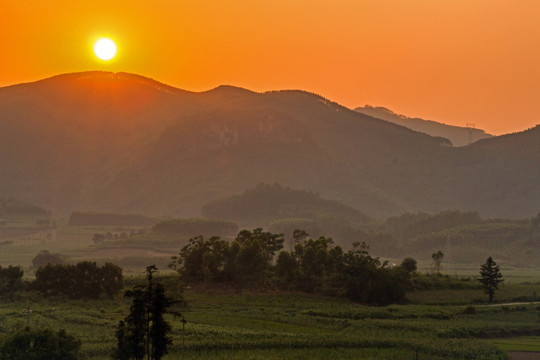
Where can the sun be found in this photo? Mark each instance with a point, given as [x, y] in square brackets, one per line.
[105, 49]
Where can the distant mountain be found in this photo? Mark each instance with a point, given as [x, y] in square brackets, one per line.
[10, 207]
[123, 143]
[264, 203]
[458, 136]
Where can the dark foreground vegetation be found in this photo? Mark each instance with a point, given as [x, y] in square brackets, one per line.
[37, 344]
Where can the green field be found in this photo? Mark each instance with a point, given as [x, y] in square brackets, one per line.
[229, 324]
[522, 343]
[135, 253]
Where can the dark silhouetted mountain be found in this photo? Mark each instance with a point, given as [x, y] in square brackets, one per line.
[458, 136]
[126, 144]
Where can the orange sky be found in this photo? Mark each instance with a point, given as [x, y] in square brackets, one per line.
[454, 61]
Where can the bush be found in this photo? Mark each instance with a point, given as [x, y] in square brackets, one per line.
[40, 344]
[44, 257]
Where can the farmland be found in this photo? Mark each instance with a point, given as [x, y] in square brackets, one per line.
[231, 324]
[448, 319]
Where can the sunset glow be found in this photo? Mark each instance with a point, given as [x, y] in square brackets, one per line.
[456, 62]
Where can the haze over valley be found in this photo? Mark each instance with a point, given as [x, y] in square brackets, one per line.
[269, 180]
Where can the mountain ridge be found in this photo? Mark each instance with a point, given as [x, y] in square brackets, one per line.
[125, 143]
[458, 135]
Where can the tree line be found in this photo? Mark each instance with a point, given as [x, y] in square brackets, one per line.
[84, 280]
[314, 265]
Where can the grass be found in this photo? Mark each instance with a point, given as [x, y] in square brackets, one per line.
[232, 324]
[507, 293]
[522, 343]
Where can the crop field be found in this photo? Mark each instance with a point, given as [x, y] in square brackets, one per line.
[226, 324]
[448, 321]
[133, 255]
[522, 343]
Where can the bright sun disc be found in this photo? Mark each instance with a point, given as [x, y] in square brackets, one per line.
[105, 49]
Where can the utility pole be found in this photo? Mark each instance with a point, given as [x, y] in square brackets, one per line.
[28, 311]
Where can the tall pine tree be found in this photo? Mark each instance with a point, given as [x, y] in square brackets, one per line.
[490, 277]
[145, 332]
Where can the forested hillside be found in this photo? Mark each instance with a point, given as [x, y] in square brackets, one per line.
[10, 207]
[265, 203]
[123, 143]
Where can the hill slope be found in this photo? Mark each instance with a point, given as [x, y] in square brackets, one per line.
[265, 203]
[16, 208]
[459, 136]
[124, 143]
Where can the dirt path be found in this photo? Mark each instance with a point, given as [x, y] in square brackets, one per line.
[514, 303]
[523, 355]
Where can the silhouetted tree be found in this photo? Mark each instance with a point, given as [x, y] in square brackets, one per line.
[287, 269]
[159, 331]
[10, 280]
[203, 259]
[314, 262]
[298, 237]
[409, 264]
[490, 277]
[367, 280]
[112, 280]
[270, 243]
[45, 257]
[144, 331]
[250, 262]
[131, 332]
[437, 260]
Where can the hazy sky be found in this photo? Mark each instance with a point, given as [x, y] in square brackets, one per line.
[454, 61]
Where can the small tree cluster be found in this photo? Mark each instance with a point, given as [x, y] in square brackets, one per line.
[82, 280]
[244, 259]
[144, 333]
[317, 265]
[437, 258]
[313, 265]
